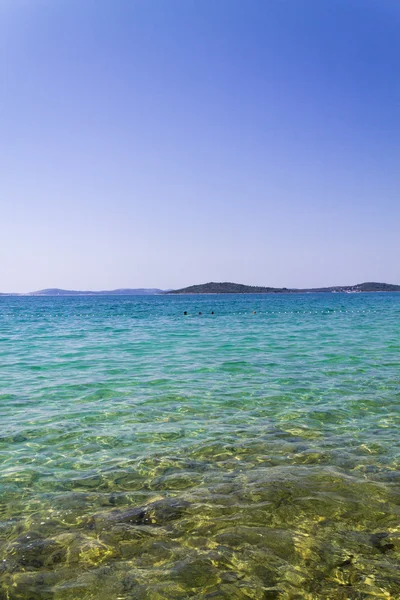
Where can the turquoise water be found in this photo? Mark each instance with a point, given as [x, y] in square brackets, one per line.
[150, 455]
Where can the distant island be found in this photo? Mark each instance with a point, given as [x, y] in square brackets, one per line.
[216, 288]
[239, 288]
[119, 292]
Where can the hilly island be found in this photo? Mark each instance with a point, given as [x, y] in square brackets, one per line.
[238, 288]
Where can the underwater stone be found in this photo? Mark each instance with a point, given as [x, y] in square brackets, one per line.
[156, 513]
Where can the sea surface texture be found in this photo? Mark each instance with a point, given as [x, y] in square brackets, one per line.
[148, 455]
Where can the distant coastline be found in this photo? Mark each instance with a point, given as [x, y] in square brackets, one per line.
[217, 288]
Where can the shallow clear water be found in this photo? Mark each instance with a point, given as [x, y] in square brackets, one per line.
[149, 455]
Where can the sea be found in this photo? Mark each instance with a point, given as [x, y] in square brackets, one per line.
[246, 450]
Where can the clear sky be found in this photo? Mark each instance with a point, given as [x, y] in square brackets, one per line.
[163, 143]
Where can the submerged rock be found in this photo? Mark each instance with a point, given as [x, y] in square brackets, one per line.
[156, 513]
[33, 552]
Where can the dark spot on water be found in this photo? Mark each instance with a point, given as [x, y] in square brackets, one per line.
[129, 583]
[380, 542]
[37, 553]
[58, 556]
[272, 594]
[196, 465]
[137, 516]
[348, 561]
[371, 469]
[195, 573]
[19, 438]
[28, 538]
[230, 577]
[266, 574]
[377, 538]
[282, 498]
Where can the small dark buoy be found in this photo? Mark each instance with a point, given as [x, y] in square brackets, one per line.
[254, 312]
[185, 312]
[200, 313]
[212, 312]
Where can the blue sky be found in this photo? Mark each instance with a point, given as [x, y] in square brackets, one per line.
[162, 143]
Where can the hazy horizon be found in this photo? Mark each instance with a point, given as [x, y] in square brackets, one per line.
[166, 144]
